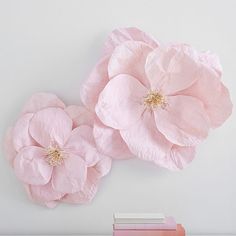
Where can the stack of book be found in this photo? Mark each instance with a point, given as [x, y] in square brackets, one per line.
[151, 224]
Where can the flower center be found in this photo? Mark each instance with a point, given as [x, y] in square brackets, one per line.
[55, 156]
[155, 99]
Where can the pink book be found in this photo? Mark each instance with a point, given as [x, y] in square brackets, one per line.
[178, 232]
[169, 224]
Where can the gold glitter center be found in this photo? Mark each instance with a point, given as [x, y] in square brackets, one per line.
[55, 156]
[154, 100]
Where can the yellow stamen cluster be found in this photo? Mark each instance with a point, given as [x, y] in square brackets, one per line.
[154, 100]
[54, 156]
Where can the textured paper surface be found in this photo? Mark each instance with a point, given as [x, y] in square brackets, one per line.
[50, 45]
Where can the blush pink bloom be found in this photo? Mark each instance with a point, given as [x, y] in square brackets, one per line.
[160, 100]
[52, 151]
[109, 140]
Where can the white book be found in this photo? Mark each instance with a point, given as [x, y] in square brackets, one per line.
[139, 218]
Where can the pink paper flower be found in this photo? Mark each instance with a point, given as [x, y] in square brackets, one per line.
[52, 151]
[160, 99]
[109, 140]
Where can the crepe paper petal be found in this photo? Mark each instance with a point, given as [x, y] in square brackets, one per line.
[81, 142]
[95, 83]
[71, 176]
[184, 121]
[221, 109]
[178, 158]
[109, 141]
[20, 134]
[30, 166]
[211, 60]
[88, 192]
[120, 103]
[182, 156]
[9, 146]
[216, 100]
[51, 204]
[42, 100]
[27, 189]
[207, 59]
[50, 125]
[145, 141]
[44, 193]
[119, 36]
[103, 166]
[170, 70]
[86, 132]
[130, 58]
[80, 115]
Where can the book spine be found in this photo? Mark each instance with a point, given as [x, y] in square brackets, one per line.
[179, 232]
[138, 221]
[144, 226]
[169, 225]
[144, 233]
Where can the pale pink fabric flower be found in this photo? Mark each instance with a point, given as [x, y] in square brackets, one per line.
[52, 151]
[160, 99]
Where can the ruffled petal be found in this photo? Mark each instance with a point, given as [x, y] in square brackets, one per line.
[221, 109]
[70, 176]
[109, 141]
[211, 60]
[30, 166]
[80, 115]
[184, 121]
[103, 166]
[50, 125]
[130, 58]
[120, 103]
[81, 143]
[178, 158]
[171, 69]
[144, 140]
[216, 100]
[95, 83]
[119, 36]
[42, 100]
[9, 146]
[20, 134]
[44, 193]
[51, 204]
[88, 192]
[207, 59]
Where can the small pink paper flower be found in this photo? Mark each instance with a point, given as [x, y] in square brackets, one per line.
[162, 99]
[52, 151]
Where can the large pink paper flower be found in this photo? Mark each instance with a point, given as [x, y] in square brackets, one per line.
[162, 99]
[52, 151]
[109, 140]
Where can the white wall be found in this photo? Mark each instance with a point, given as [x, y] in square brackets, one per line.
[52, 45]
